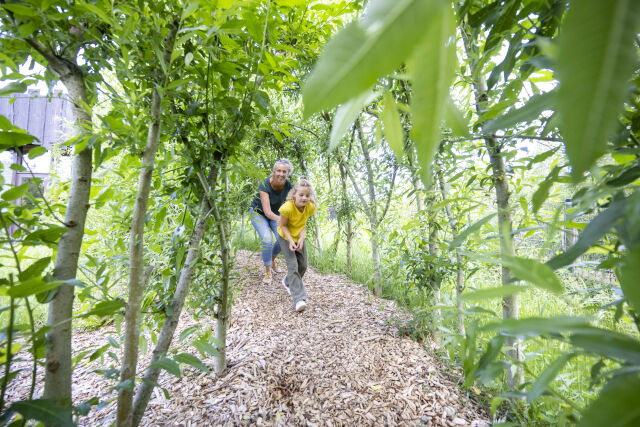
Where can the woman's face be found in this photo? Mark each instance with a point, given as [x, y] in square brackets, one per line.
[280, 173]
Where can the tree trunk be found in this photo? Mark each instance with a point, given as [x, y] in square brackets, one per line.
[510, 305]
[223, 313]
[136, 250]
[373, 214]
[417, 189]
[349, 227]
[434, 252]
[459, 260]
[143, 393]
[435, 282]
[57, 383]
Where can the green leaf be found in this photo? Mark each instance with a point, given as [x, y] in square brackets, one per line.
[392, 126]
[188, 332]
[205, 348]
[188, 58]
[542, 156]
[492, 351]
[433, 69]
[597, 228]
[13, 87]
[542, 192]
[15, 139]
[360, 53]
[14, 193]
[35, 269]
[168, 365]
[609, 344]
[534, 326]
[99, 352]
[534, 272]
[627, 177]
[159, 220]
[595, 60]
[541, 384]
[490, 293]
[105, 308]
[49, 235]
[190, 9]
[629, 274]
[5, 124]
[96, 10]
[21, 10]
[617, 404]
[36, 152]
[45, 410]
[31, 287]
[346, 114]
[455, 119]
[191, 360]
[530, 111]
[460, 238]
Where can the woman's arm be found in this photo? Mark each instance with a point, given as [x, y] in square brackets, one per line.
[287, 234]
[266, 206]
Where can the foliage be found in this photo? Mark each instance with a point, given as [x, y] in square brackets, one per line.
[402, 84]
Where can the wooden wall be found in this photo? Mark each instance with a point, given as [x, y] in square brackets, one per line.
[49, 120]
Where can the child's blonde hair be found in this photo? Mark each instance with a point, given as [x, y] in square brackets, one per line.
[303, 182]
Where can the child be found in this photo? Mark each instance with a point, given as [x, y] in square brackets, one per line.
[292, 228]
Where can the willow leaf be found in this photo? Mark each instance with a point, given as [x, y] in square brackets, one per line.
[433, 70]
[346, 115]
[392, 126]
[596, 57]
[360, 53]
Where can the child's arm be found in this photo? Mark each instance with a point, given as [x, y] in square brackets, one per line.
[287, 234]
[303, 234]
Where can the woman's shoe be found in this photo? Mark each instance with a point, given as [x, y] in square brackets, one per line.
[275, 268]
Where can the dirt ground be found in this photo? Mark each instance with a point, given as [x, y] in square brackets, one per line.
[340, 362]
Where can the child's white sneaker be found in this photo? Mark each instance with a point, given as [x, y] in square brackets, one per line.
[301, 306]
[267, 277]
[284, 284]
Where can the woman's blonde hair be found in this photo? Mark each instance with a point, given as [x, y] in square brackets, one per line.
[285, 162]
[303, 182]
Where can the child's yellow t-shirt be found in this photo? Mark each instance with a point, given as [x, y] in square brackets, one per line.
[297, 219]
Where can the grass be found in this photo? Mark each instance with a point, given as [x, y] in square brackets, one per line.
[21, 316]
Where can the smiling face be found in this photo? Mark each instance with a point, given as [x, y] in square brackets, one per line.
[280, 173]
[302, 197]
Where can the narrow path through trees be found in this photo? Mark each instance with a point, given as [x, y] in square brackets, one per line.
[341, 362]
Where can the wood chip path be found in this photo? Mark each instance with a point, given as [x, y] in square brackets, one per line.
[339, 363]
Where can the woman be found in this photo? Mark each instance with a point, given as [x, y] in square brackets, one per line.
[272, 193]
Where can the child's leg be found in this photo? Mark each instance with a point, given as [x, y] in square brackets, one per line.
[293, 280]
[302, 261]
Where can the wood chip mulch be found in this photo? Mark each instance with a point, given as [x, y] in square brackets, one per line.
[340, 362]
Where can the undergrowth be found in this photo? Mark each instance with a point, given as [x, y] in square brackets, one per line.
[570, 392]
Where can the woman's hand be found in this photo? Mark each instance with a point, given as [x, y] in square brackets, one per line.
[300, 244]
[292, 246]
